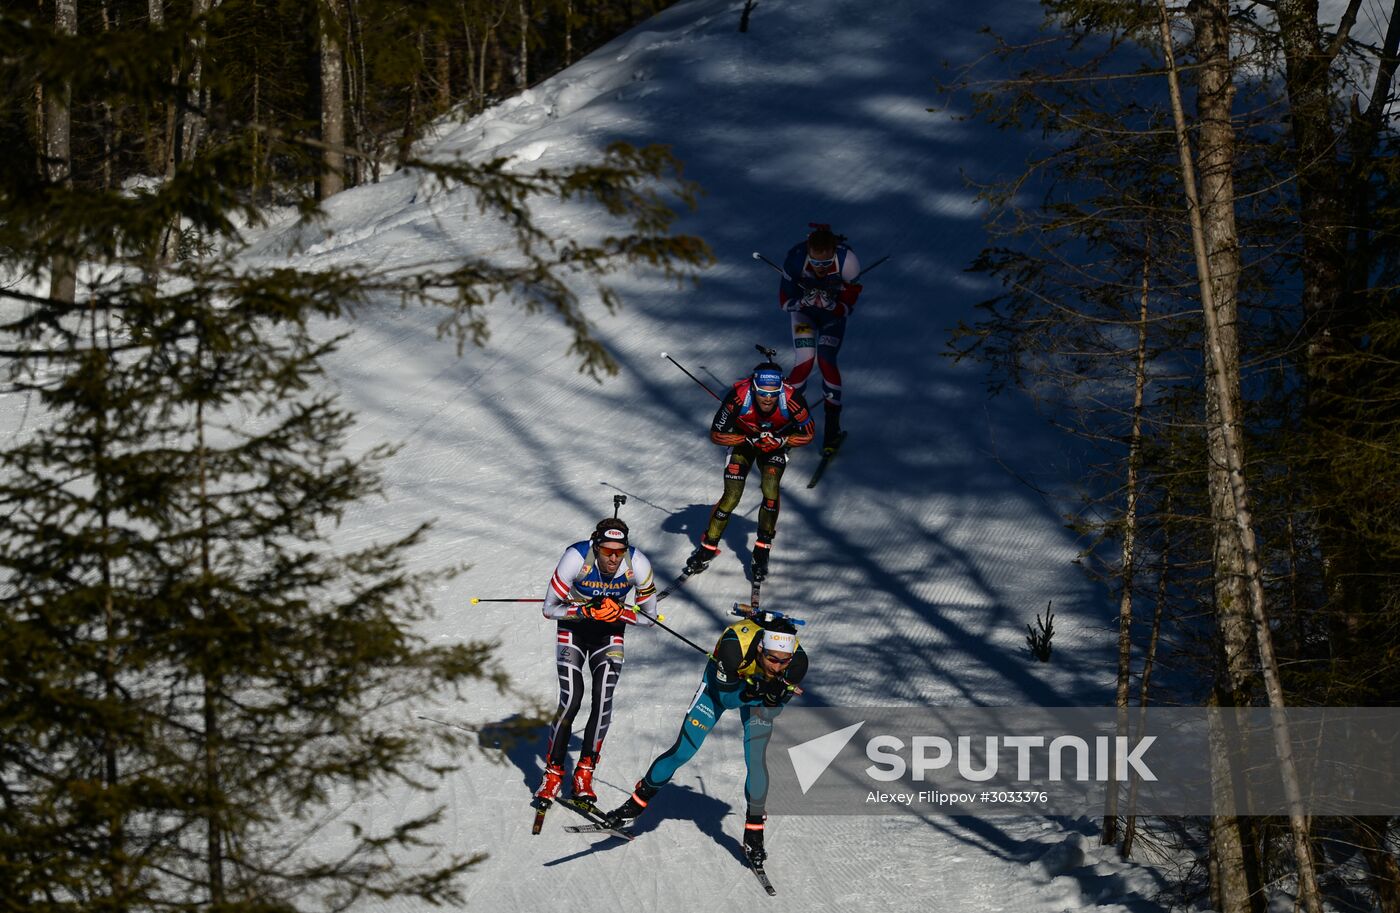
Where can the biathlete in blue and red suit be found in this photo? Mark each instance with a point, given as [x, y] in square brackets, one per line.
[820, 295]
[759, 420]
[588, 597]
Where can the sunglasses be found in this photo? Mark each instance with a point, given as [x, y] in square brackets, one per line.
[775, 660]
[612, 552]
[823, 263]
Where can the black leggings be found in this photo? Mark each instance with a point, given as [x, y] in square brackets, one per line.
[601, 655]
[741, 459]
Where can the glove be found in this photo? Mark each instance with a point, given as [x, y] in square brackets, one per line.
[772, 691]
[817, 300]
[767, 442]
[601, 608]
[849, 294]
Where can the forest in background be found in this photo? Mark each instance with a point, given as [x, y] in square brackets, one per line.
[360, 77]
[1198, 276]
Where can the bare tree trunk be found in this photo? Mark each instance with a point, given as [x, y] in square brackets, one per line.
[1210, 225]
[214, 832]
[157, 139]
[410, 120]
[1326, 285]
[569, 33]
[442, 61]
[193, 118]
[357, 94]
[108, 122]
[332, 179]
[257, 137]
[744, 16]
[1371, 834]
[185, 125]
[1235, 872]
[58, 150]
[100, 343]
[1129, 553]
[522, 65]
[1307, 78]
[1149, 659]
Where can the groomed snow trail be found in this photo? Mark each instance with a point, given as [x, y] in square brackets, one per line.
[917, 561]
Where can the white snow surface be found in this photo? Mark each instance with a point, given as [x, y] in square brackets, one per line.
[919, 559]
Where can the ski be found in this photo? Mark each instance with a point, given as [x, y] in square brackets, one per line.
[599, 829]
[541, 806]
[676, 584]
[828, 453]
[762, 876]
[595, 818]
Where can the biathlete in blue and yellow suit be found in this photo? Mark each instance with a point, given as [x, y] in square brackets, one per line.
[753, 668]
[759, 420]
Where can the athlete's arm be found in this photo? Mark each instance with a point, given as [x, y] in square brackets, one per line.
[728, 658]
[645, 587]
[723, 430]
[556, 595]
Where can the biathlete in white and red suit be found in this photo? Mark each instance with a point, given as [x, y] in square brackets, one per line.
[759, 420]
[820, 294]
[588, 597]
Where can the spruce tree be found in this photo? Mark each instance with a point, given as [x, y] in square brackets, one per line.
[194, 670]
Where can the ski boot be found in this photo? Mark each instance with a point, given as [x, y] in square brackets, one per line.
[628, 811]
[700, 559]
[753, 839]
[831, 428]
[583, 780]
[758, 570]
[553, 779]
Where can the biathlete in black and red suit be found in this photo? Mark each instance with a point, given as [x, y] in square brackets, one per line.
[759, 420]
[588, 597]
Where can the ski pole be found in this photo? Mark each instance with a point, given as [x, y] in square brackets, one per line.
[476, 599]
[673, 631]
[691, 376]
[781, 272]
[450, 725]
[869, 268]
[708, 655]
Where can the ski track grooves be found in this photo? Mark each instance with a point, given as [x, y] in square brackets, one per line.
[916, 561]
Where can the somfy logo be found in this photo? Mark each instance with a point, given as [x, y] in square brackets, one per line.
[811, 759]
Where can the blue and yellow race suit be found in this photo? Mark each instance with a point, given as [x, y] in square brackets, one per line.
[728, 684]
